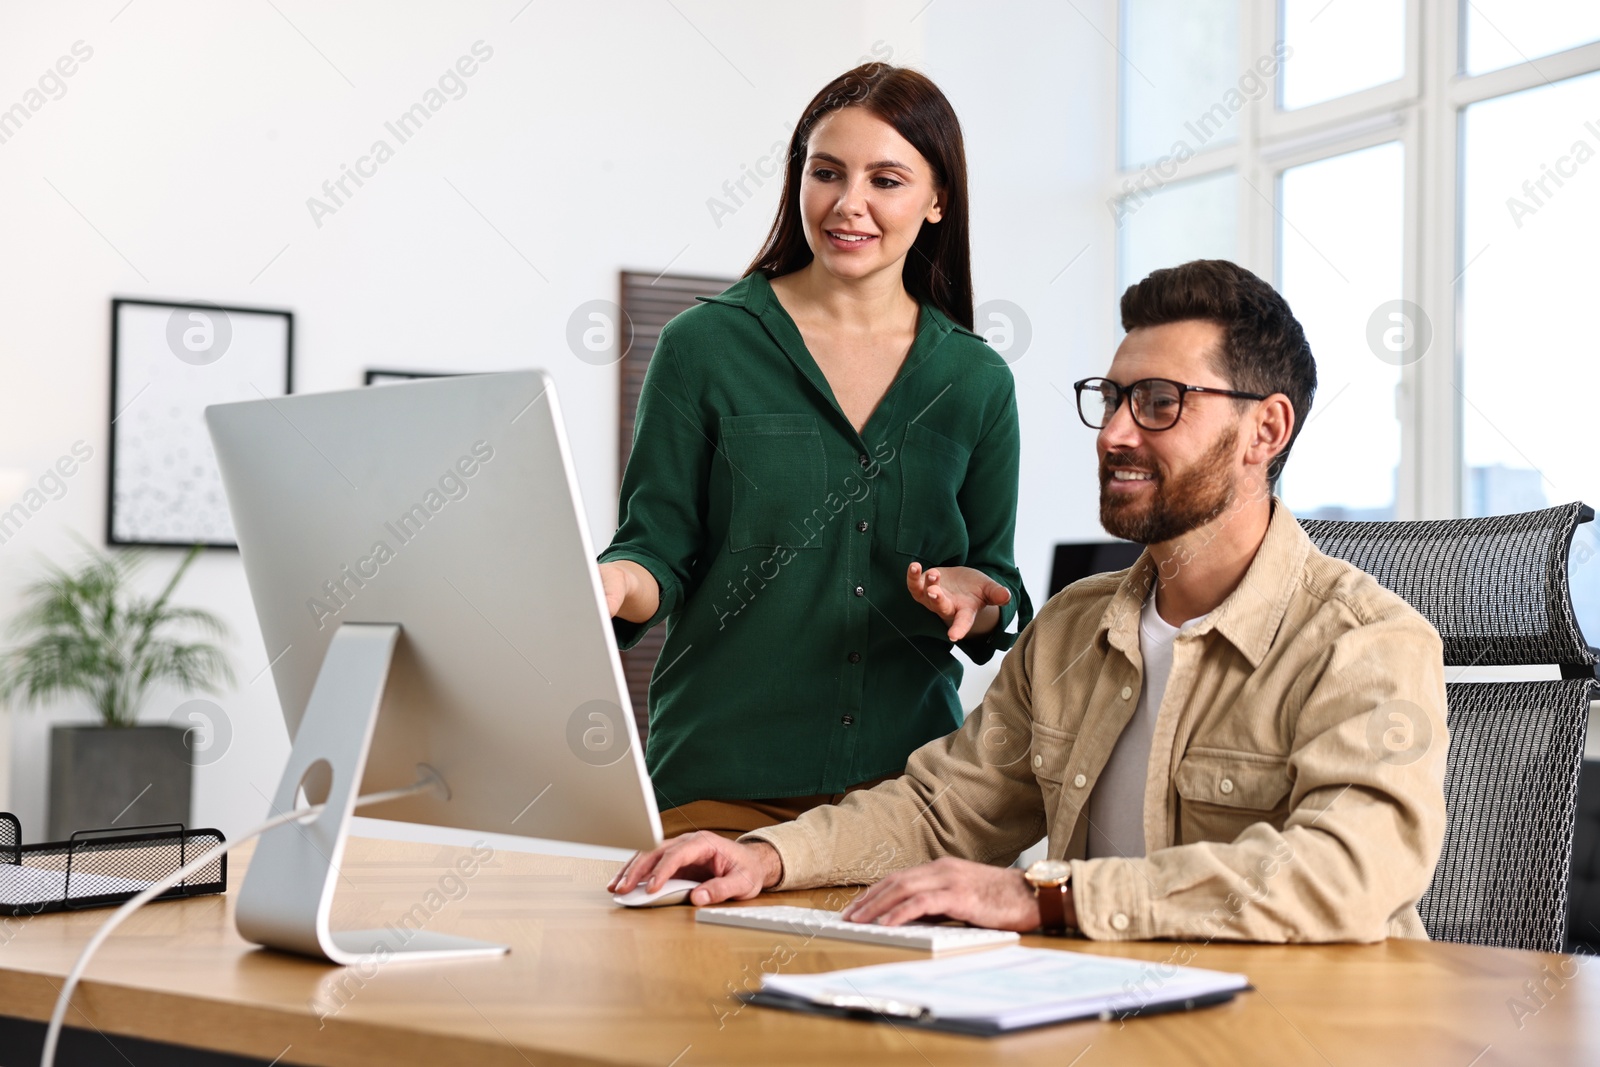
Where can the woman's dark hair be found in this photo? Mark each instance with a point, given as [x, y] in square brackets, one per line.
[938, 269]
[1264, 349]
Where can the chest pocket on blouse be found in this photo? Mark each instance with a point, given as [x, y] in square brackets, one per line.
[779, 474]
[932, 470]
[1223, 793]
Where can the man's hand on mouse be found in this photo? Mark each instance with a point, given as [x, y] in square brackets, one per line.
[728, 870]
[949, 888]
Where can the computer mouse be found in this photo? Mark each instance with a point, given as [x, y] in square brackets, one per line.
[673, 891]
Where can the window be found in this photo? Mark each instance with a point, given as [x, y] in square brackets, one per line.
[1503, 33]
[1176, 67]
[1424, 201]
[1340, 258]
[1175, 223]
[1527, 340]
[1295, 165]
[1335, 49]
[1427, 202]
[1530, 210]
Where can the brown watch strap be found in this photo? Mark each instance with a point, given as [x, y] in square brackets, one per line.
[1053, 907]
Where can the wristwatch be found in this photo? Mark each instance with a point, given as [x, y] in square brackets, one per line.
[1051, 881]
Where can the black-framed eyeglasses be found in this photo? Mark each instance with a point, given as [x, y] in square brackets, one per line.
[1155, 403]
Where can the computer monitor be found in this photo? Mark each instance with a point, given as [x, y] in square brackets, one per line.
[1076, 560]
[428, 596]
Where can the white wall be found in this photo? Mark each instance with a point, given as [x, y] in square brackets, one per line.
[1029, 82]
[179, 160]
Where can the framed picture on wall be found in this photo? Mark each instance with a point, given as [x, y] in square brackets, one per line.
[389, 377]
[168, 362]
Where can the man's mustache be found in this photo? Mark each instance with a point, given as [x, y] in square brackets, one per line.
[1126, 461]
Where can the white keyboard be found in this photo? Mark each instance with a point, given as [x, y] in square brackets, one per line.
[815, 922]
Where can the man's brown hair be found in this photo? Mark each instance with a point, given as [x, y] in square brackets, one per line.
[1264, 348]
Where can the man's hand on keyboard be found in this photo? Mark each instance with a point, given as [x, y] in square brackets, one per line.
[728, 869]
[995, 897]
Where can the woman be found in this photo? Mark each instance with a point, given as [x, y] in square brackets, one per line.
[822, 491]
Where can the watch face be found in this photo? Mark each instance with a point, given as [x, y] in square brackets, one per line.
[1049, 872]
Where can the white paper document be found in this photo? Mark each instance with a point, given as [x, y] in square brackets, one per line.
[1008, 988]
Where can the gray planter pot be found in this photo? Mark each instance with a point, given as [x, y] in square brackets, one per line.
[103, 776]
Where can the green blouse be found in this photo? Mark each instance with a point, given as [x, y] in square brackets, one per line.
[796, 662]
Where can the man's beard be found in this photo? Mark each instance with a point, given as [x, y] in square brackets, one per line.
[1194, 496]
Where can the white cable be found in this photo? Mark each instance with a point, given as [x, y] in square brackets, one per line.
[63, 1001]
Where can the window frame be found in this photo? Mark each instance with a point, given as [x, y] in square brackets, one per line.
[1375, 100]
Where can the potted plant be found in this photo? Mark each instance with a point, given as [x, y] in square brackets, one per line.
[87, 633]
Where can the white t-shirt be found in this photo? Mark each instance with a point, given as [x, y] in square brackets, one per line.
[1116, 807]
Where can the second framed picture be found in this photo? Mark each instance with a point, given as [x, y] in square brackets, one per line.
[375, 376]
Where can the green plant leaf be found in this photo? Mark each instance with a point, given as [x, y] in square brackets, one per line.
[84, 632]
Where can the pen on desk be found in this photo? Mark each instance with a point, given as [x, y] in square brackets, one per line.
[855, 1002]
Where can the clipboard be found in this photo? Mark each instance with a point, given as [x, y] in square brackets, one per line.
[1000, 991]
[914, 1016]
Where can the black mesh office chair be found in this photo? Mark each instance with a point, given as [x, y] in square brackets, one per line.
[1497, 591]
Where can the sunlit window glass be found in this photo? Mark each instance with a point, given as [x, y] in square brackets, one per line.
[1171, 224]
[1342, 254]
[1500, 33]
[1338, 48]
[1530, 221]
[1179, 75]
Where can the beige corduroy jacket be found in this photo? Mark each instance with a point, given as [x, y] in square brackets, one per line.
[1295, 790]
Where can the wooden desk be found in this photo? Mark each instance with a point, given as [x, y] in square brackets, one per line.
[590, 983]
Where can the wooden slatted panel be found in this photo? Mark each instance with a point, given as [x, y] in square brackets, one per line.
[649, 301]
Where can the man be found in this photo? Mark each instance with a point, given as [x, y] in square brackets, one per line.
[1239, 737]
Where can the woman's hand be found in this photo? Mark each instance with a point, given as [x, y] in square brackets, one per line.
[966, 599]
[631, 591]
